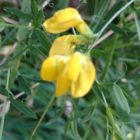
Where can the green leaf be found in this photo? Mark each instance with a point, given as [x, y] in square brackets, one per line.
[26, 8]
[18, 13]
[22, 108]
[2, 22]
[38, 18]
[119, 99]
[114, 124]
[34, 7]
[13, 73]
[18, 53]
[38, 14]
[43, 37]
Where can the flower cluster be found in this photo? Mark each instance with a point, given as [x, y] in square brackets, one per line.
[72, 71]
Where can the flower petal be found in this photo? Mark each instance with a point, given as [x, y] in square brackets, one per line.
[65, 44]
[49, 69]
[61, 46]
[53, 27]
[74, 66]
[62, 85]
[63, 20]
[85, 80]
[67, 14]
[62, 81]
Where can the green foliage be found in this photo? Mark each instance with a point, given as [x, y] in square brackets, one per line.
[110, 111]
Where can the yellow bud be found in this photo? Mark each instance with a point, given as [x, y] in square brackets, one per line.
[62, 20]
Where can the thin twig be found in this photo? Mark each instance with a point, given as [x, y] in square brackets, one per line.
[108, 34]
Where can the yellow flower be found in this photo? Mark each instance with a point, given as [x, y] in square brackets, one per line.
[65, 44]
[65, 19]
[62, 20]
[74, 73]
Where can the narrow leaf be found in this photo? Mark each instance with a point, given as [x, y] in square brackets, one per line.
[120, 99]
[22, 108]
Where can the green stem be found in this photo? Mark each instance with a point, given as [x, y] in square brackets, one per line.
[87, 131]
[137, 24]
[4, 106]
[107, 131]
[94, 106]
[15, 26]
[0, 41]
[109, 59]
[3, 116]
[42, 117]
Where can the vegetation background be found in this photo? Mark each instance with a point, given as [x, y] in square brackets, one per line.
[111, 111]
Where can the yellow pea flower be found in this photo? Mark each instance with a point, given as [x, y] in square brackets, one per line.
[65, 19]
[74, 73]
[65, 44]
[62, 20]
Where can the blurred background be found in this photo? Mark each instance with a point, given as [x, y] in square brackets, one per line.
[111, 110]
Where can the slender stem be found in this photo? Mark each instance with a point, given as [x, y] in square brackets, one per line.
[87, 131]
[42, 117]
[107, 131]
[94, 105]
[109, 22]
[0, 41]
[4, 106]
[16, 26]
[104, 99]
[109, 59]
[3, 116]
[137, 25]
